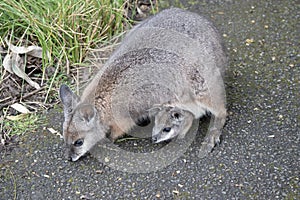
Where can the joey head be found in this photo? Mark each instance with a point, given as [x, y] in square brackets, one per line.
[171, 122]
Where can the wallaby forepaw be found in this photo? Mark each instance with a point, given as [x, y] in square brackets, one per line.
[210, 141]
[205, 150]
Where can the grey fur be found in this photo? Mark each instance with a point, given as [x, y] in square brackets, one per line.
[175, 56]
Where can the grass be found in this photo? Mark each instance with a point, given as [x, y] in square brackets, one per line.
[66, 30]
[26, 122]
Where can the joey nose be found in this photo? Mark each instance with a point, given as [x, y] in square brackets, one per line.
[154, 138]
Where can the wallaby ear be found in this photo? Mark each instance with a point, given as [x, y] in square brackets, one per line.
[68, 99]
[87, 112]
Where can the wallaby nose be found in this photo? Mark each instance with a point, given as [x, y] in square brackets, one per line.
[68, 155]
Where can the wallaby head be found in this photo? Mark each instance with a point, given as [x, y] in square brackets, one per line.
[170, 122]
[82, 128]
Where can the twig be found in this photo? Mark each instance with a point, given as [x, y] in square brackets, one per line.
[15, 184]
[21, 98]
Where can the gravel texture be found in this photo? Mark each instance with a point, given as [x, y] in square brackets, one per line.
[259, 154]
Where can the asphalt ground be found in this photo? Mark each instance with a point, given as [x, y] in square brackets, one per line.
[258, 158]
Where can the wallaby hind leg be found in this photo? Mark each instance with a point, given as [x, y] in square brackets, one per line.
[115, 132]
[213, 136]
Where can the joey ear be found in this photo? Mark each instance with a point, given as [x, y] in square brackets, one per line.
[154, 110]
[176, 115]
[68, 99]
[87, 112]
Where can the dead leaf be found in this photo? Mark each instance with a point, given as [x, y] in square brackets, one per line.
[175, 191]
[20, 108]
[7, 63]
[34, 51]
[52, 130]
[99, 171]
[16, 117]
[249, 41]
[14, 64]
[46, 175]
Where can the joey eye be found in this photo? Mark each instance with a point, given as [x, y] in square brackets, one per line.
[167, 129]
[78, 143]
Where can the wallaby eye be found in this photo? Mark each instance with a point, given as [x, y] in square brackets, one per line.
[167, 129]
[78, 143]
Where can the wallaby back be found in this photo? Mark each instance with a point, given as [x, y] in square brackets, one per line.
[174, 55]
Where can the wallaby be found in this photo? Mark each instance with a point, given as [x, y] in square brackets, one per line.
[173, 55]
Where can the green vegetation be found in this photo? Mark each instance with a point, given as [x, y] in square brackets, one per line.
[66, 30]
[26, 122]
